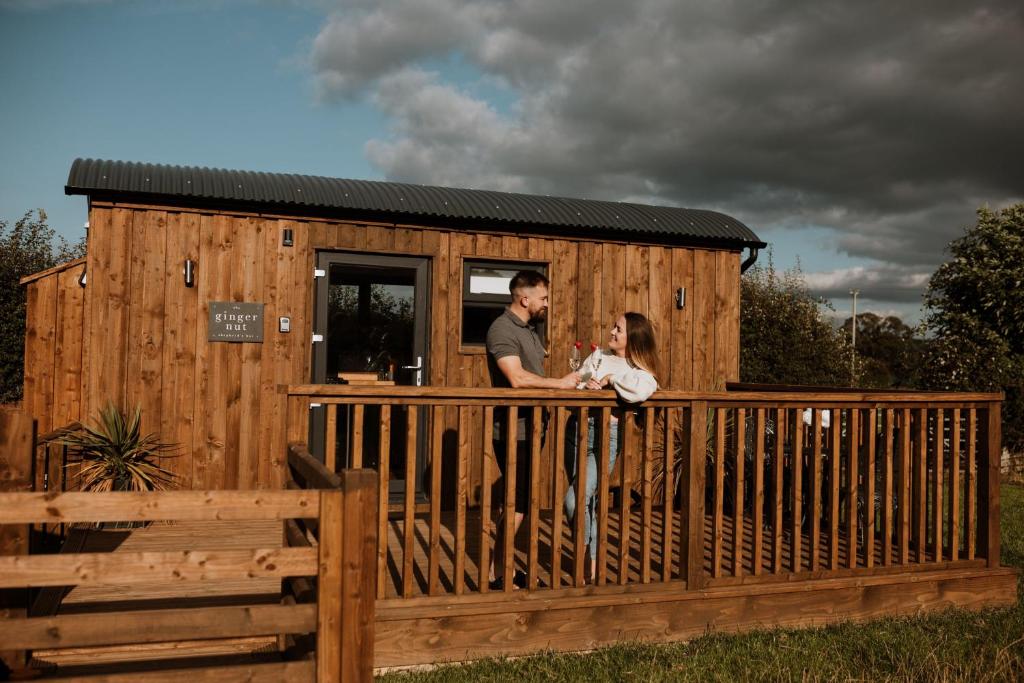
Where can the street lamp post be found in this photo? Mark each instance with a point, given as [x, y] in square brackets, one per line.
[853, 329]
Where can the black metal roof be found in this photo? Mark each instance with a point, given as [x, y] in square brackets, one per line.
[402, 202]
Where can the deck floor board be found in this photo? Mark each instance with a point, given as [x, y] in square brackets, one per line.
[421, 549]
[173, 536]
[268, 534]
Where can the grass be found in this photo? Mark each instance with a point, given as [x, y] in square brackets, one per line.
[948, 646]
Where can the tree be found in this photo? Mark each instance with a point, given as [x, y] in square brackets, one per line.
[889, 355]
[385, 320]
[26, 248]
[785, 336]
[976, 314]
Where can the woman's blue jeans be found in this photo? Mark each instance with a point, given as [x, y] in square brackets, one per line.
[590, 489]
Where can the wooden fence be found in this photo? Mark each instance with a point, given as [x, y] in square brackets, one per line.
[17, 432]
[335, 546]
[711, 489]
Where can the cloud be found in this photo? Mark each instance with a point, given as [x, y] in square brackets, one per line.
[371, 40]
[888, 122]
[881, 283]
[443, 134]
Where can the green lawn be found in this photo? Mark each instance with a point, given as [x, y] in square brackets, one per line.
[954, 645]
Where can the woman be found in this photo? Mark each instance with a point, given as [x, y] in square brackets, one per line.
[629, 366]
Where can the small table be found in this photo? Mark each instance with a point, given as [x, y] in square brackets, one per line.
[365, 379]
[359, 379]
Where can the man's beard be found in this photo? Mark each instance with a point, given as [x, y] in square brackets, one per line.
[539, 316]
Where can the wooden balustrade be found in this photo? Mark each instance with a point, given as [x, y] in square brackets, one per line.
[871, 470]
[708, 488]
[51, 461]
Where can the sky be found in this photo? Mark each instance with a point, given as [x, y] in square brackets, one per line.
[856, 138]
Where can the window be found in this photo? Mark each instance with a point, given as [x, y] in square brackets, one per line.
[485, 295]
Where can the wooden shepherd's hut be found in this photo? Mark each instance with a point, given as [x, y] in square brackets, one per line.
[131, 323]
[315, 348]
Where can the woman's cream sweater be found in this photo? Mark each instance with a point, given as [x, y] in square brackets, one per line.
[632, 384]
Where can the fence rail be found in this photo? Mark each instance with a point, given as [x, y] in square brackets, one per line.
[708, 489]
[340, 558]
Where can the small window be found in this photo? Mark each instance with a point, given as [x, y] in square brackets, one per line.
[485, 295]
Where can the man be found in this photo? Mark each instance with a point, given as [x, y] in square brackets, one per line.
[515, 359]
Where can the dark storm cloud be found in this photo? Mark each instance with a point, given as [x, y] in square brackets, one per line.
[888, 122]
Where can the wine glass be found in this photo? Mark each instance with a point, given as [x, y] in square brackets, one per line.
[574, 357]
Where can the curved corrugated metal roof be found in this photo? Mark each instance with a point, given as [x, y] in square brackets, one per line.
[402, 201]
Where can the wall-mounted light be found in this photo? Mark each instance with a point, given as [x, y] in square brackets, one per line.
[189, 272]
[681, 297]
[81, 279]
[287, 237]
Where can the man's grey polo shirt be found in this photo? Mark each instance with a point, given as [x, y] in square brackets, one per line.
[510, 336]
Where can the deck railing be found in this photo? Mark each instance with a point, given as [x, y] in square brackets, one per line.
[710, 488]
[50, 469]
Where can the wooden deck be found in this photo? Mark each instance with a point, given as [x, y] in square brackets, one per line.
[173, 536]
[446, 583]
[447, 627]
[205, 535]
[668, 569]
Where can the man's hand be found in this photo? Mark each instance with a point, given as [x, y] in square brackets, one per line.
[570, 381]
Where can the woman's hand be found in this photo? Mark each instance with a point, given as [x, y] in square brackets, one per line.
[594, 383]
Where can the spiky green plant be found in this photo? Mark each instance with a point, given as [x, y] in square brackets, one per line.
[113, 456]
[680, 453]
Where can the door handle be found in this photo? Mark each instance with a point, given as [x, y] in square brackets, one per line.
[418, 378]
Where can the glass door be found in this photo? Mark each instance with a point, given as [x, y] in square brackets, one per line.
[372, 313]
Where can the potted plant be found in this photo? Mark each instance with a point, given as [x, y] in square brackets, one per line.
[112, 455]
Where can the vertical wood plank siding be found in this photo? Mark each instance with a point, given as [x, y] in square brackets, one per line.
[136, 335]
[68, 349]
[180, 343]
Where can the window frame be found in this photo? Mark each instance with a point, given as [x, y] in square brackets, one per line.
[495, 301]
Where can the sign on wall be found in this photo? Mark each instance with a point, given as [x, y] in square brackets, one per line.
[231, 321]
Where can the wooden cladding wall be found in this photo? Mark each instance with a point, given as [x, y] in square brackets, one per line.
[54, 347]
[143, 333]
[218, 400]
[592, 283]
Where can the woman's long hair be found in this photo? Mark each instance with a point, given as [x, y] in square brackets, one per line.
[641, 348]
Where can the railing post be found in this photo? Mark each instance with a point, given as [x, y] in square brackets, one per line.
[347, 579]
[296, 429]
[297, 416]
[693, 490]
[329, 588]
[359, 573]
[17, 450]
[988, 484]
